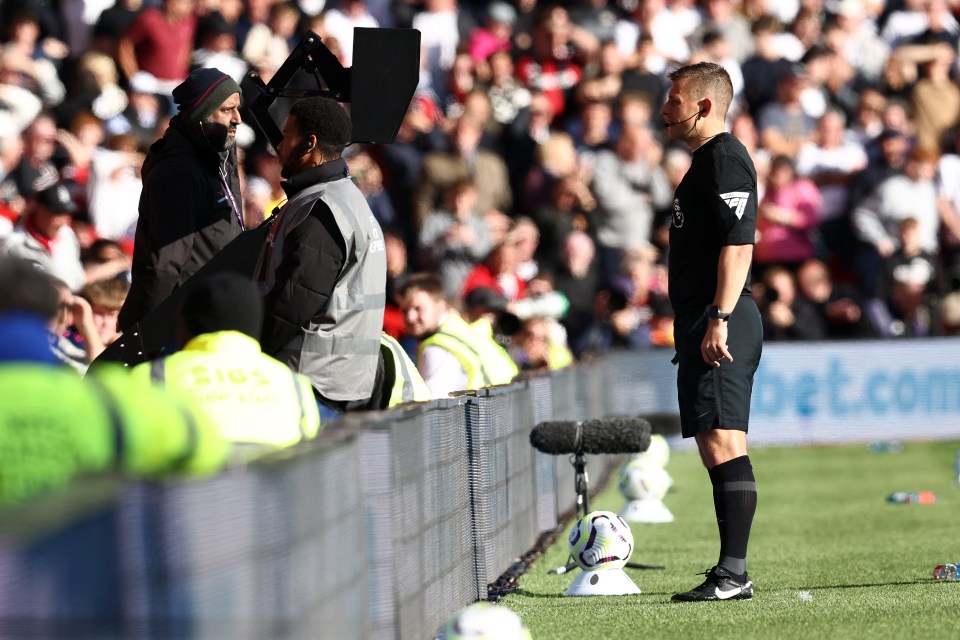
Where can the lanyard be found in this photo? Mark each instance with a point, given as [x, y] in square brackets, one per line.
[229, 195]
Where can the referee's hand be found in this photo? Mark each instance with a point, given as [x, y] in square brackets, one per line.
[714, 345]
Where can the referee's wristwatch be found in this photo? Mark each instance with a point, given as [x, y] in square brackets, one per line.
[714, 313]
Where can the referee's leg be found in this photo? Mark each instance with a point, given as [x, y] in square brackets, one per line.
[724, 454]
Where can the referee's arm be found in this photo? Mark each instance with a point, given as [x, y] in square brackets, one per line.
[732, 274]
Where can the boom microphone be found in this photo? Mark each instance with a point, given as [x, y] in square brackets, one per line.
[609, 435]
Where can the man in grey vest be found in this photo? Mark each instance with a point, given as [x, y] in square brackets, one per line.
[323, 267]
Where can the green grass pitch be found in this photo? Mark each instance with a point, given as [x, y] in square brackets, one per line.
[829, 557]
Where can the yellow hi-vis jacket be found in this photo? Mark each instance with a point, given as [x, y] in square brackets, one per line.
[252, 398]
[55, 425]
[496, 357]
[473, 351]
[407, 384]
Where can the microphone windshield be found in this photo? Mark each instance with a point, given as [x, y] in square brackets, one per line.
[607, 435]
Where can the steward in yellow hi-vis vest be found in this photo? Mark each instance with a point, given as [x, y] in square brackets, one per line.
[404, 382]
[55, 425]
[253, 398]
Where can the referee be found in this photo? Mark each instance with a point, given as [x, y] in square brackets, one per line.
[717, 329]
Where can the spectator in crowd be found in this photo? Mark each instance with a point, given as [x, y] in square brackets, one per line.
[579, 278]
[159, 42]
[23, 53]
[323, 269]
[935, 99]
[489, 316]
[830, 161]
[495, 34]
[507, 95]
[190, 206]
[440, 170]
[256, 402]
[36, 163]
[907, 311]
[114, 187]
[218, 47]
[105, 298]
[839, 308]
[635, 313]
[398, 270]
[722, 17]
[554, 65]
[784, 125]
[455, 239]
[785, 315]
[44, 236]
[536, 347]
[868, 121]
[451, 355]
[628, 184]
[369, 178]
[765, 69]
[910, 262]
[113, 22]
[77, 433]
[443, 26]
[948, 194]
[568, 209]
[75, 340]
[855, 39]
[948, 315]
[887, 159]
[877, 220]
[142, 117]
[268, 42]
[787, 218]
[498, 271]
[555, 158]
[341, 19]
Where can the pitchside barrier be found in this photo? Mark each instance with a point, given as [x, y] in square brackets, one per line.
[391, 521]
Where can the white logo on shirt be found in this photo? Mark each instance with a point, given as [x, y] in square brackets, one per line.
[677, 213]
[736, 200]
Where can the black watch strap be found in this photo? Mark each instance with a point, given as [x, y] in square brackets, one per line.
[714, 313]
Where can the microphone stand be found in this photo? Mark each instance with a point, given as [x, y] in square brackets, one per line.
[580, 483]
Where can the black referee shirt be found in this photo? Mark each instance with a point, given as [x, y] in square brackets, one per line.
[714, 206]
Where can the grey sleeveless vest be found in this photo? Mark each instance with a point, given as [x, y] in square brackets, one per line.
[339, 348]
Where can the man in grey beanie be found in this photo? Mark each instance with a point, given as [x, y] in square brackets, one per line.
[190, 207]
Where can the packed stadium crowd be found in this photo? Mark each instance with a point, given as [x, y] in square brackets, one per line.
[530, 177]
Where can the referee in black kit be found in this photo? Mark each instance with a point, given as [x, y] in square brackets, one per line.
[717, 328]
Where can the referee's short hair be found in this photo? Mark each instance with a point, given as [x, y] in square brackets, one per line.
[710, 80]
[327, 120]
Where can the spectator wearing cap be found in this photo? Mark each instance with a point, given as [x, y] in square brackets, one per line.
[496, 33]
[190, 206]
[44, 236]
[253, 399]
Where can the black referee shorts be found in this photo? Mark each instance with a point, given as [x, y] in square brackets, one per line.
[711, 397]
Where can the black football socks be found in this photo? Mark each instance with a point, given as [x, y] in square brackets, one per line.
[735, 501]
